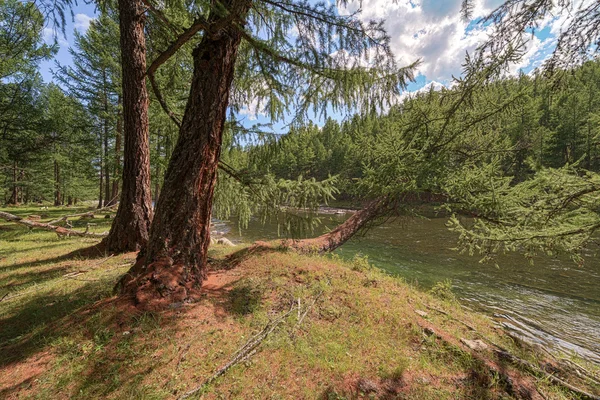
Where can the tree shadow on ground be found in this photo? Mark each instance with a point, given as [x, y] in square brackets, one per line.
[238, 298]
[18, 281]
[40, 319]
[235, 259]
[66, 320]
[116, 366]
[482, 382]
[71, 323]
[476, 385]
[7, 252]
[86, 253]
[38, 316]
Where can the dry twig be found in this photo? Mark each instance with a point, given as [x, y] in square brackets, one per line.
[243, 353]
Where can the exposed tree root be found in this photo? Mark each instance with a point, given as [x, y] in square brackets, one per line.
[156, 285]
[515, 384]
[327, 242]
[163, 282]
[504, 354]
[60, 231]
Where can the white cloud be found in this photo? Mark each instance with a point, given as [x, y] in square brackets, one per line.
[253, 110]
[82, 22]
[434, 32]
[50, 35]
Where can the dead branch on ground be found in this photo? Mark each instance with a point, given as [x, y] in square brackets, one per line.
[60, 231]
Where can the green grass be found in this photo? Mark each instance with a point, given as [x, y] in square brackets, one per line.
[351, 327]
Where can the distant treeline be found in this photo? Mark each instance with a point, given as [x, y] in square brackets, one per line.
[548, 123]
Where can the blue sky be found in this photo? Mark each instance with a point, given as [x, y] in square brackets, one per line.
[82, 15]
[430, 30]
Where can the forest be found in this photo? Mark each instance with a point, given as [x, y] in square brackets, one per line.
[169, 120]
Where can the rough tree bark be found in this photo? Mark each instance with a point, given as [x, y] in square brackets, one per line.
[117, 167]
[174, 261]
[130, 228]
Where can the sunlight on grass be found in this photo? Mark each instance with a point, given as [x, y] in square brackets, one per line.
[350, 331]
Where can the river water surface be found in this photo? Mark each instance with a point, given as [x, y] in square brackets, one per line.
[553, 302]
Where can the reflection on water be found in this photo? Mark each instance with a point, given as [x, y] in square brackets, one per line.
[553, 302]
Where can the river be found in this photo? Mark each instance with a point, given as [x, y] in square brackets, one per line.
[553, 302]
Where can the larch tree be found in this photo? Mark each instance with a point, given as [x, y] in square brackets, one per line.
[94, 78]
[74, 145]
[21, 50]
[514, 22]
[290, 56]
[556, 209]
[131, 226]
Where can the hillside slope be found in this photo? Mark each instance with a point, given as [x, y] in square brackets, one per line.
[307, 327]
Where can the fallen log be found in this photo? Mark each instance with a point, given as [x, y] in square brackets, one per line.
[330, 241]
[60, 231]
[343, 232]
[85, 214]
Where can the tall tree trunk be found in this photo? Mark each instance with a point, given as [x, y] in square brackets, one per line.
[101, 190]
[174, 261]
[158, 171]
[117, 168]
[169, 145]
[107, 188]
[131, 226]
[14, 196]
[57, 201]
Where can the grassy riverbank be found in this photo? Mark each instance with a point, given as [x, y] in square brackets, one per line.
[313, 327]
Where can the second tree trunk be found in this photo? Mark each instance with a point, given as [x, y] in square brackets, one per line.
[174, 261]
